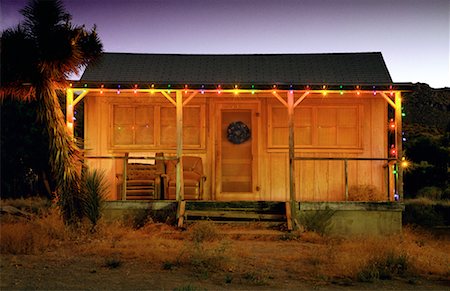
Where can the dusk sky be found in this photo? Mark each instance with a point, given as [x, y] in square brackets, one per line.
[413, 35]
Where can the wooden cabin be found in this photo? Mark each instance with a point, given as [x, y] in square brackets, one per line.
[275, 127]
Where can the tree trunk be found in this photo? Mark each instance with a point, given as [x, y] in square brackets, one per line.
[65, 158]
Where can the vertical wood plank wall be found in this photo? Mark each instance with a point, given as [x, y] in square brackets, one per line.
[315, 180]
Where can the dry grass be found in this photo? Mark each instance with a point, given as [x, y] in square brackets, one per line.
[204, 252]
[21, 236]
[34, 205]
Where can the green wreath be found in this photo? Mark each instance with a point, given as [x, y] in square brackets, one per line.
[238, 132]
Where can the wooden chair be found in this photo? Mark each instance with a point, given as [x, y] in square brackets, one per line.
[143, 179]
[192, 175]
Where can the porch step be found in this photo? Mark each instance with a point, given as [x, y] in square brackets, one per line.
[236, 211]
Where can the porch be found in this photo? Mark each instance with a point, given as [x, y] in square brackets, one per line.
[342, 218]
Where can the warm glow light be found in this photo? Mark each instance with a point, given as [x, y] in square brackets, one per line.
[393, 151]
[340, 92]
[70, 125]
[391, 124]
[404, 163]
[253, 92]
[324, 93]
[358, 93]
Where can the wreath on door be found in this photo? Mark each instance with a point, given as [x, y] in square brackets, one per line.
[238, 132]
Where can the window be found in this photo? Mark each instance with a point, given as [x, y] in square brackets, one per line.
[316, 127]
[133, 125]
[155, 125]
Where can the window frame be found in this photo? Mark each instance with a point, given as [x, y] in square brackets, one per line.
[156, 127]
[358, 146]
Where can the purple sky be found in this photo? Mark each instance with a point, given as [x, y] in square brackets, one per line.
[413, 35]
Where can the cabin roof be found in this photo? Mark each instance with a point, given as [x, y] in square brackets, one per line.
[346, 69]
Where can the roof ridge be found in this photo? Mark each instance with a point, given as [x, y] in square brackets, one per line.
[244, 54]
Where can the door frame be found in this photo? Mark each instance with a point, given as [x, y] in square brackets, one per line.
[254, 106]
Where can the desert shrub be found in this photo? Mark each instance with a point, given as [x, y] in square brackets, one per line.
[384, 267]
[137, 219]
[430, 192]
[94, 189]
[446, 194]
[165, 215]
[34, 205]
[204, 231]
[427, 215]
[363, 193]
[317, 220]
[113, 263]
[256, 278]
[204, 252]
[207, 258]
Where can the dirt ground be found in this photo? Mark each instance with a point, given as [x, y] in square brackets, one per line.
[87, 273]
[159, 257]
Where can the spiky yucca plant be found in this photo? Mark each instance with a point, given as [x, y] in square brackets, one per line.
[94, 189]
[37, 57]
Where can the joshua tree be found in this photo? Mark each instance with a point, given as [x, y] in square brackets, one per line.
[37, 57]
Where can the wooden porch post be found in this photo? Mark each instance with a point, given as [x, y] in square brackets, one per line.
[180, 184]
[69, 111]
[292, 198]
[398, 142]
[180, 181]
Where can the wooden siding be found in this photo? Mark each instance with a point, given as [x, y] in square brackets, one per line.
[325, 126]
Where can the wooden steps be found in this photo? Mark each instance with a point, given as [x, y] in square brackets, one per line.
[235, 211]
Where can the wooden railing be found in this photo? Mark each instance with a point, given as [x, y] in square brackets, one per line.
[389, 162]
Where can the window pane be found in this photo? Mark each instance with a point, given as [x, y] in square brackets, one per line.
[168, 126]
[144, 125]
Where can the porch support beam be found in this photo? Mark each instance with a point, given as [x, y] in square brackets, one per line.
[80, 97]
[389, 100]
[179, 173]
[299, 100]
[69, 111]
[280, 98]
[168, 97]
[398, 142]
[292, 198]
[186, 101]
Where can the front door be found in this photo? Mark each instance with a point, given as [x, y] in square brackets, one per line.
[236, 152]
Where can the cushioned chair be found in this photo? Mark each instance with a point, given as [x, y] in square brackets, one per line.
[192, 175]
[143, 177]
